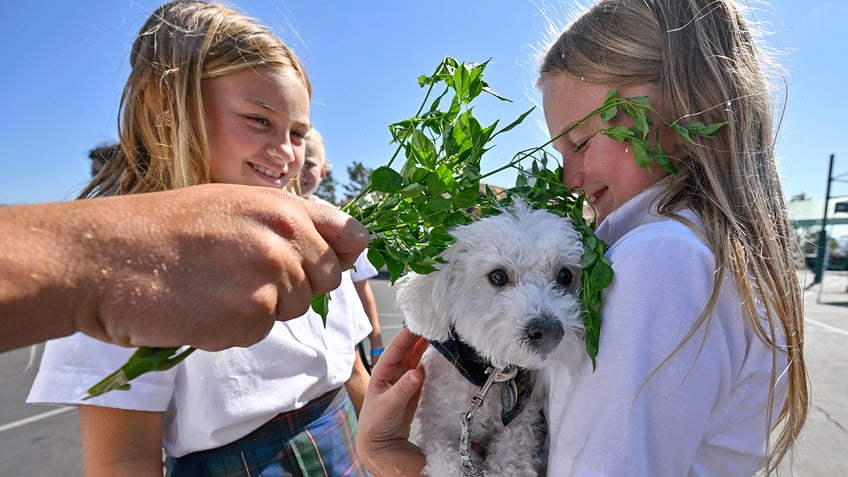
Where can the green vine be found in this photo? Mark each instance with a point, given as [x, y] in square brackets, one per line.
[411, 210]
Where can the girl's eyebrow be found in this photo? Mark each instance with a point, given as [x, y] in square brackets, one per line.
[263, 105]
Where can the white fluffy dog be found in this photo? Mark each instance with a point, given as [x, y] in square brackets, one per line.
[506, 296]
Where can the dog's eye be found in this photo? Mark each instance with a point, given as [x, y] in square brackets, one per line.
[498, 278]
[564, 277]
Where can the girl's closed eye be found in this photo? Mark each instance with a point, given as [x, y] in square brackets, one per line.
[581, 146]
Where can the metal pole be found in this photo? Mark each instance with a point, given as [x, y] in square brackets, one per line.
[822, 255]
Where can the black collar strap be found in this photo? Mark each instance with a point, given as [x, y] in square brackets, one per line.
[464, 358]
[473, 367]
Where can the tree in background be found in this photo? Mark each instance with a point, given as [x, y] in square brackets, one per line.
[327, 188]
[360, 177]
[100, 155]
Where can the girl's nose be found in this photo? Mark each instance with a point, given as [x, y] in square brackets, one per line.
[571, 176]
[282, 151]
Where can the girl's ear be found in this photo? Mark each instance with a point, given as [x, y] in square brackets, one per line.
[423, 301]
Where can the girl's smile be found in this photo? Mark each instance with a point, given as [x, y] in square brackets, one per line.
[603, 168]
[256, 123]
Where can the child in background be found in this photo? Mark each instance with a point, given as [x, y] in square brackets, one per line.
[701, 347]
[315, 168]
[215, 97]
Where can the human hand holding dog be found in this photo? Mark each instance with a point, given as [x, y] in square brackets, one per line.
[390, 402]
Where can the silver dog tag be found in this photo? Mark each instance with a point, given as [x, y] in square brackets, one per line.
[509, 395]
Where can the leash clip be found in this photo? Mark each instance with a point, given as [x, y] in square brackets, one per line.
[495, 376]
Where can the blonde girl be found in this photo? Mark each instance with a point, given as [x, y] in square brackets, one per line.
[701, 366]
[215, 97]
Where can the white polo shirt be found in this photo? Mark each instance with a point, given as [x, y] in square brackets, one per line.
[700, 413]
[214, 398]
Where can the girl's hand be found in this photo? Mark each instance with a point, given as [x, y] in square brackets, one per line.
[390, 403]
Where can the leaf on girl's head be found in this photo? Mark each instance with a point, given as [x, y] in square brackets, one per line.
[618, 133]
[642, 153]
[700, 129]
[641, 124]
[682, 130]
[643, 102]
[608, 113]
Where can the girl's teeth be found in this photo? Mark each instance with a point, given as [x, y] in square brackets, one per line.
[268, 172]
[592, 199]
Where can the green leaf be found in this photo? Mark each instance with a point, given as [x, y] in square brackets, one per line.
[608, 113]
[375, 257]
[515, 123]
[439, 204]
[611, 97]
[642, 153]
[619, 133]
[321, 305]
[144, 360]
[386, 179]
[601, 277]
[700, 129]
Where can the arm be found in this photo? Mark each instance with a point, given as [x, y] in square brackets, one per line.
[129, 269]
[366, 296]
[358, 383]
[390, 403]
[120, 442]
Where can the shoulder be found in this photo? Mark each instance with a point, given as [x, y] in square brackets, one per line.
[663, 272]
[667, 245]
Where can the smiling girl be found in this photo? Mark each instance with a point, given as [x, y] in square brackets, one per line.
[215, 97]
[700, 369]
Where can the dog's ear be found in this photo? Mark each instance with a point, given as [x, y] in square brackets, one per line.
[425, 303]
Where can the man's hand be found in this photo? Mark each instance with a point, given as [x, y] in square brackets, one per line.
[209, 266]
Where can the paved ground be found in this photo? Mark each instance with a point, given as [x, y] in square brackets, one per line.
[41, 441]
[823, 449]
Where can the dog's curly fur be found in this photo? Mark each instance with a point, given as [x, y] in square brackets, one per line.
[510, 290]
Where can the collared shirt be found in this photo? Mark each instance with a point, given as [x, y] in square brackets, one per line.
[660, 404]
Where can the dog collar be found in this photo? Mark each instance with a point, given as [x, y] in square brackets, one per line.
[473, 367]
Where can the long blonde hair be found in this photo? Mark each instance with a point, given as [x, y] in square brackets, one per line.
[162, 131]
[702, 58]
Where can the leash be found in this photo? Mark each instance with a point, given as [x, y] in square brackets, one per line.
[494, 376]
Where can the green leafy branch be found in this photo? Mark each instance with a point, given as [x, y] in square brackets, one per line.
[411, 211]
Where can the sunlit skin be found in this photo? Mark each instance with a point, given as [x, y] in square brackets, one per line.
[604, 168]
[256, 124]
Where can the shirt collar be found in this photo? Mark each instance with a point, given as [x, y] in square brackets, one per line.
[640, 209]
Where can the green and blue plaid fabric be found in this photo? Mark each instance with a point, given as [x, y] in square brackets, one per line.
[316, 440]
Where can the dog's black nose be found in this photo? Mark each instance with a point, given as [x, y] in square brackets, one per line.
[544, 333]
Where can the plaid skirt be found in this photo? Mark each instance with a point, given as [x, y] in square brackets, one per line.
[316, 440]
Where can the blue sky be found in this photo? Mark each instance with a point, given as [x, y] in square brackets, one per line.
[65, 64]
